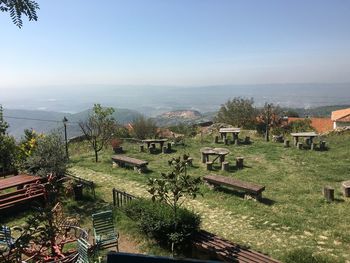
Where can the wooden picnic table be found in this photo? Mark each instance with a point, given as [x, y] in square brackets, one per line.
[150, 141]
[220, 154]
[18, 181]
[234, 131]
[308, 135]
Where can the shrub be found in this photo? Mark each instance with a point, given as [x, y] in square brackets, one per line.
[156, 219]
[301, 125]
[48, 157]
[144, 128]
[116, 143]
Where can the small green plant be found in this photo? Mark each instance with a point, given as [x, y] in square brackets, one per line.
[171, 189]
[156, 219]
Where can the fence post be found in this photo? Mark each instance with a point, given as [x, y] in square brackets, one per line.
[113, 196]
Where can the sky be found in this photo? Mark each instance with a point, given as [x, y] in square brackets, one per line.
[178, 43]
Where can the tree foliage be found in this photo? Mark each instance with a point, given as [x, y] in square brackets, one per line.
[99, 128]
[17, 8]
[238, 112]
[48, 157]
[144, 128]
[8, 147]
[8, 153]
[301, 125]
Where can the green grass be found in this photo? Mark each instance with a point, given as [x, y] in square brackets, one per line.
[293, 213]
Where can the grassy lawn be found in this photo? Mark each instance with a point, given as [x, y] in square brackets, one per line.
[293, 213]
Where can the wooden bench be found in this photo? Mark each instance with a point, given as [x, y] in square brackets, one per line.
[30, 193]
[227, 251]
[122, 161]
[253, 190]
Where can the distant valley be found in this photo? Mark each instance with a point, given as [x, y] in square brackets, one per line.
[46, 121]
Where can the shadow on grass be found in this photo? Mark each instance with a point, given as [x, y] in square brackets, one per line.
[86, 207]
[265, 201]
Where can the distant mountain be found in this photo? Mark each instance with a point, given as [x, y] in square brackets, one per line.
[46, 121]
[322, 111]
[182, 116]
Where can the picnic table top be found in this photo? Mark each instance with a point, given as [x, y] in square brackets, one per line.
[233, 130]
[155, 140]
[214, 151]
[304, 134]
[17, 180]
[128, 159]
[234, 182]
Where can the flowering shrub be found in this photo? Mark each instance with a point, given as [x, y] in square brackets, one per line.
[116, 143]
[29, 143]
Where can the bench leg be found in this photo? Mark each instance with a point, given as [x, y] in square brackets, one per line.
[254, 197]
[141, 169]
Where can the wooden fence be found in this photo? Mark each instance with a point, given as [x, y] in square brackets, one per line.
[121, 198]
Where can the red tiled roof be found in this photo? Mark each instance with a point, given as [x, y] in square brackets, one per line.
[340, 114]
[319, 124]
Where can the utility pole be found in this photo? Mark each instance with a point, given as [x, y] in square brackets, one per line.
[65, 120]
[268, 121]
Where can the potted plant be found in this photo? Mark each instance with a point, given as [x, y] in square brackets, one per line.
[116, 145]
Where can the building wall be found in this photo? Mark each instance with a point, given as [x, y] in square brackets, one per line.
[341, 124]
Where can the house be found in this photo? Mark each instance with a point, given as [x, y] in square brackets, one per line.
[341, 118]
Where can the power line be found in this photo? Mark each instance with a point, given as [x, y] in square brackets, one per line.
[33, 119]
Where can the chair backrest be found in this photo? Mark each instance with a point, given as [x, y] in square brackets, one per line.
[5, 236]
[103, 225]
[83, 251]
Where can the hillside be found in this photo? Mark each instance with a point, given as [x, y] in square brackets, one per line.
[46, 121]
[182, 117]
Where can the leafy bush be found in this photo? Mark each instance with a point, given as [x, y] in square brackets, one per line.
[304, 255]
[185, 129]
[144, 128]
[301, 125]
[48, 157]
[116, 143]
[156, 219]
[238, 112]
[8, 153]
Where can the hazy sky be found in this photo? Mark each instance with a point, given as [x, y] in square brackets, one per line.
[178, 42]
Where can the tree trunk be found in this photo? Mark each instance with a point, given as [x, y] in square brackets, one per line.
[96, 156]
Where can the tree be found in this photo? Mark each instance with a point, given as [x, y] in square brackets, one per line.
[144, 128]
[17, 8]
[238, 112]
[172, 187]
[269, 117]
[48, 157]
[3, 124]
[8, 153]
[98, 128]
[8, 147]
